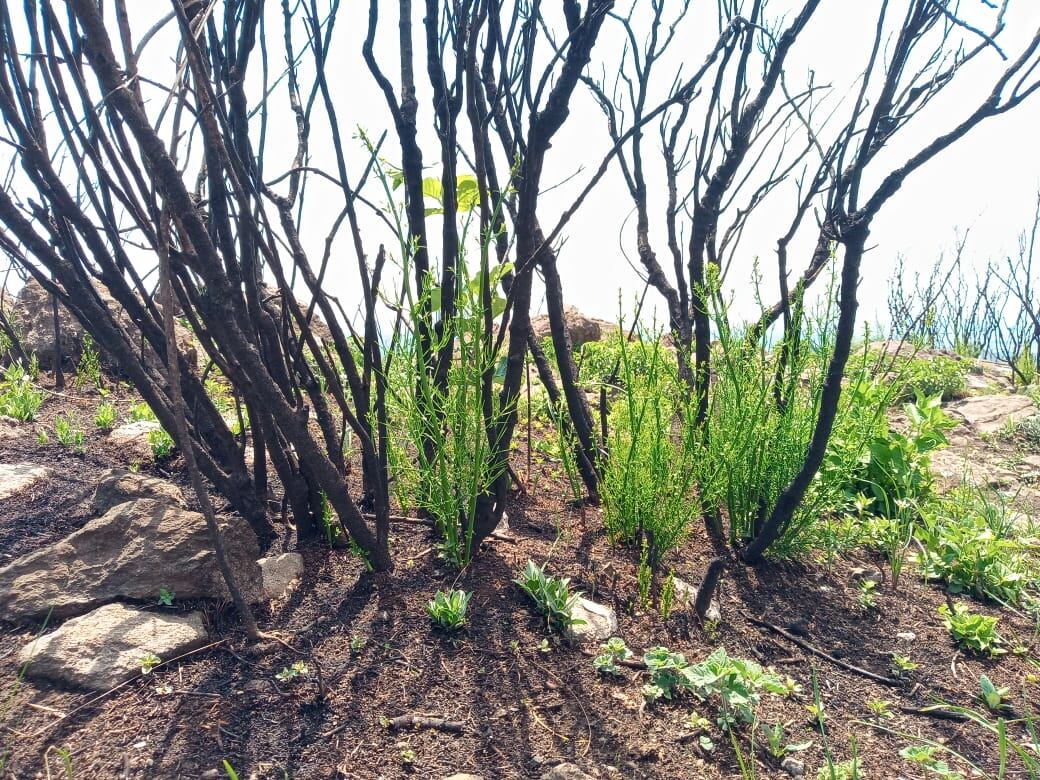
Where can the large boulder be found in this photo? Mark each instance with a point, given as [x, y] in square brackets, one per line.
[34, 320]
[106, 647]
[18, 477]
[582, 329]
[990, 413]
[131, 552]
[118, 486]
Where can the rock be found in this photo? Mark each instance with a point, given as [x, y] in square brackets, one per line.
[130, 552]
[566, 772]
[104, 648]
[600, 622]
[686, 596]
[35, 321]
[11, 428]
[582, 329]
[793, 766]
[990, 413]
[280, 574]
[17, 477]
[866, 574]
[132, 438]
[118, 486]
[464, 776]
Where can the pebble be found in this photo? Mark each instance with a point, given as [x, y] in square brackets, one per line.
[793, 766]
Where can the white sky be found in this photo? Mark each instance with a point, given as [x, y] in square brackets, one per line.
[987, 183]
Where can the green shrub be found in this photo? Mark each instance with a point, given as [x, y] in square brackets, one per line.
[68, 433]
[105, 416]
[897, 469]
[648, 480]
[448, 609]
[552, 595]
[161, 442]
[935, 375]
[971, 631]
[442, 459]
[141, 411]
[970, 543]
[19, 397]
[89, 366]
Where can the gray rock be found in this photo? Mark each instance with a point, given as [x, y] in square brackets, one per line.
[132, 438]
[793, 766]
[582, 329]
[118, 486]
[990, 413]
[599, 622]
[18, 477]
[686, 597]
[280, 574]
[104, 648]
[566, 772]
[130, 552]
[11, 428]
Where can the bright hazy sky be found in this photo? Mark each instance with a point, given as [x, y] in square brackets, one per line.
[986, 184]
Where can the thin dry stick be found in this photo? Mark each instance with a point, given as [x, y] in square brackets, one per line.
[825, 655]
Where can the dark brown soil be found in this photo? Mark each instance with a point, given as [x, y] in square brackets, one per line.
[526, 705]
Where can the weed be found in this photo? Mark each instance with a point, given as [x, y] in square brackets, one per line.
[971, 631]
[19, 397]
[357, 644]
[880, 708]
[924, 757]
[89, 366]
[161, 442]
[648, 481]
[610, 655]
[969, 542]
[448, 609]
[551, 595]
[166, 597]
[67, 432]
[669, 674]
[141, 411]
[105, 416]
[992, 696]
[902, 665]
[776, 742]
[148, 662]
[292, 673]
[867, 595]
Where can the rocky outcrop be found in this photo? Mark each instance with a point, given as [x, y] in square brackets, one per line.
[582, 329]
[990, 413]
[18, 477]
[131, 552]
[34, 320]
[111, 645]
[118, 486]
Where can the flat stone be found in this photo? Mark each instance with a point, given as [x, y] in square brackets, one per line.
[280, 574]
[104, 648]
[11, 428]
[133, 438]
[990, 413]
[566, 772]
[18, 477]
[131, 552]
[600, 622]
[118, 486]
